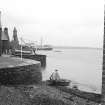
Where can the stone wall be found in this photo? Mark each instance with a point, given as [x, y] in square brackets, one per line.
[27, 74]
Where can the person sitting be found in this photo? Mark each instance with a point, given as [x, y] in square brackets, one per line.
[55, 76]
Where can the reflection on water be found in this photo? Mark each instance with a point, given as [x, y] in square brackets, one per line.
[82, 66]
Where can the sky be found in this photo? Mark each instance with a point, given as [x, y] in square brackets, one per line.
[57, 22]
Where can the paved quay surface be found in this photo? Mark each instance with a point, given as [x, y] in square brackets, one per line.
[9, 61]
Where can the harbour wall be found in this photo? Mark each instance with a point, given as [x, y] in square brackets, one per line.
[37, 57]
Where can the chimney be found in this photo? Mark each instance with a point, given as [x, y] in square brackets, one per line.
[6, 32]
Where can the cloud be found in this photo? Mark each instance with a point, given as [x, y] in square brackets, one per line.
[67, 21]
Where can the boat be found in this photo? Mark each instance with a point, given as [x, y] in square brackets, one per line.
[23, 51]
[61, 82]
[57, 51]
[45, 47]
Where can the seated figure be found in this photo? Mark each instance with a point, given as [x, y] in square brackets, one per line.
[55, 76]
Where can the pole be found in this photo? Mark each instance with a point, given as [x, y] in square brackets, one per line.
[41, 41]
[21, 48]
[36, 45]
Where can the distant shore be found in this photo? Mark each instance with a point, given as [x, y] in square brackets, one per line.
[70, 47]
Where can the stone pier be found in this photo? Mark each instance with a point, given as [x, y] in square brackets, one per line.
[37, 57]
[14, 71]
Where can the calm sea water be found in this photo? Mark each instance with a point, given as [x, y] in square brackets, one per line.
[82, 66]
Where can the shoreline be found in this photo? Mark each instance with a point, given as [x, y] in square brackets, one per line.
[40, 94]
[96, 97]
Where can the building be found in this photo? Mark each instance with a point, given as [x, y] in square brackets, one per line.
[14, 42]
[5, 41]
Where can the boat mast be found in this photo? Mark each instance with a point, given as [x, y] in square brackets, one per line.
[41, 42]
[21, 49]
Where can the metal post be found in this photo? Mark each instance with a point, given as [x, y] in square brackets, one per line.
[21, 48]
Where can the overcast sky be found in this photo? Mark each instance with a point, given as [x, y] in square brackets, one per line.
[59, 22]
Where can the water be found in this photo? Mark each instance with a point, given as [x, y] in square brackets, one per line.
[82, 66]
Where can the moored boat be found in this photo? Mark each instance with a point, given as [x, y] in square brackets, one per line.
[61, 82]
[23, 52]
